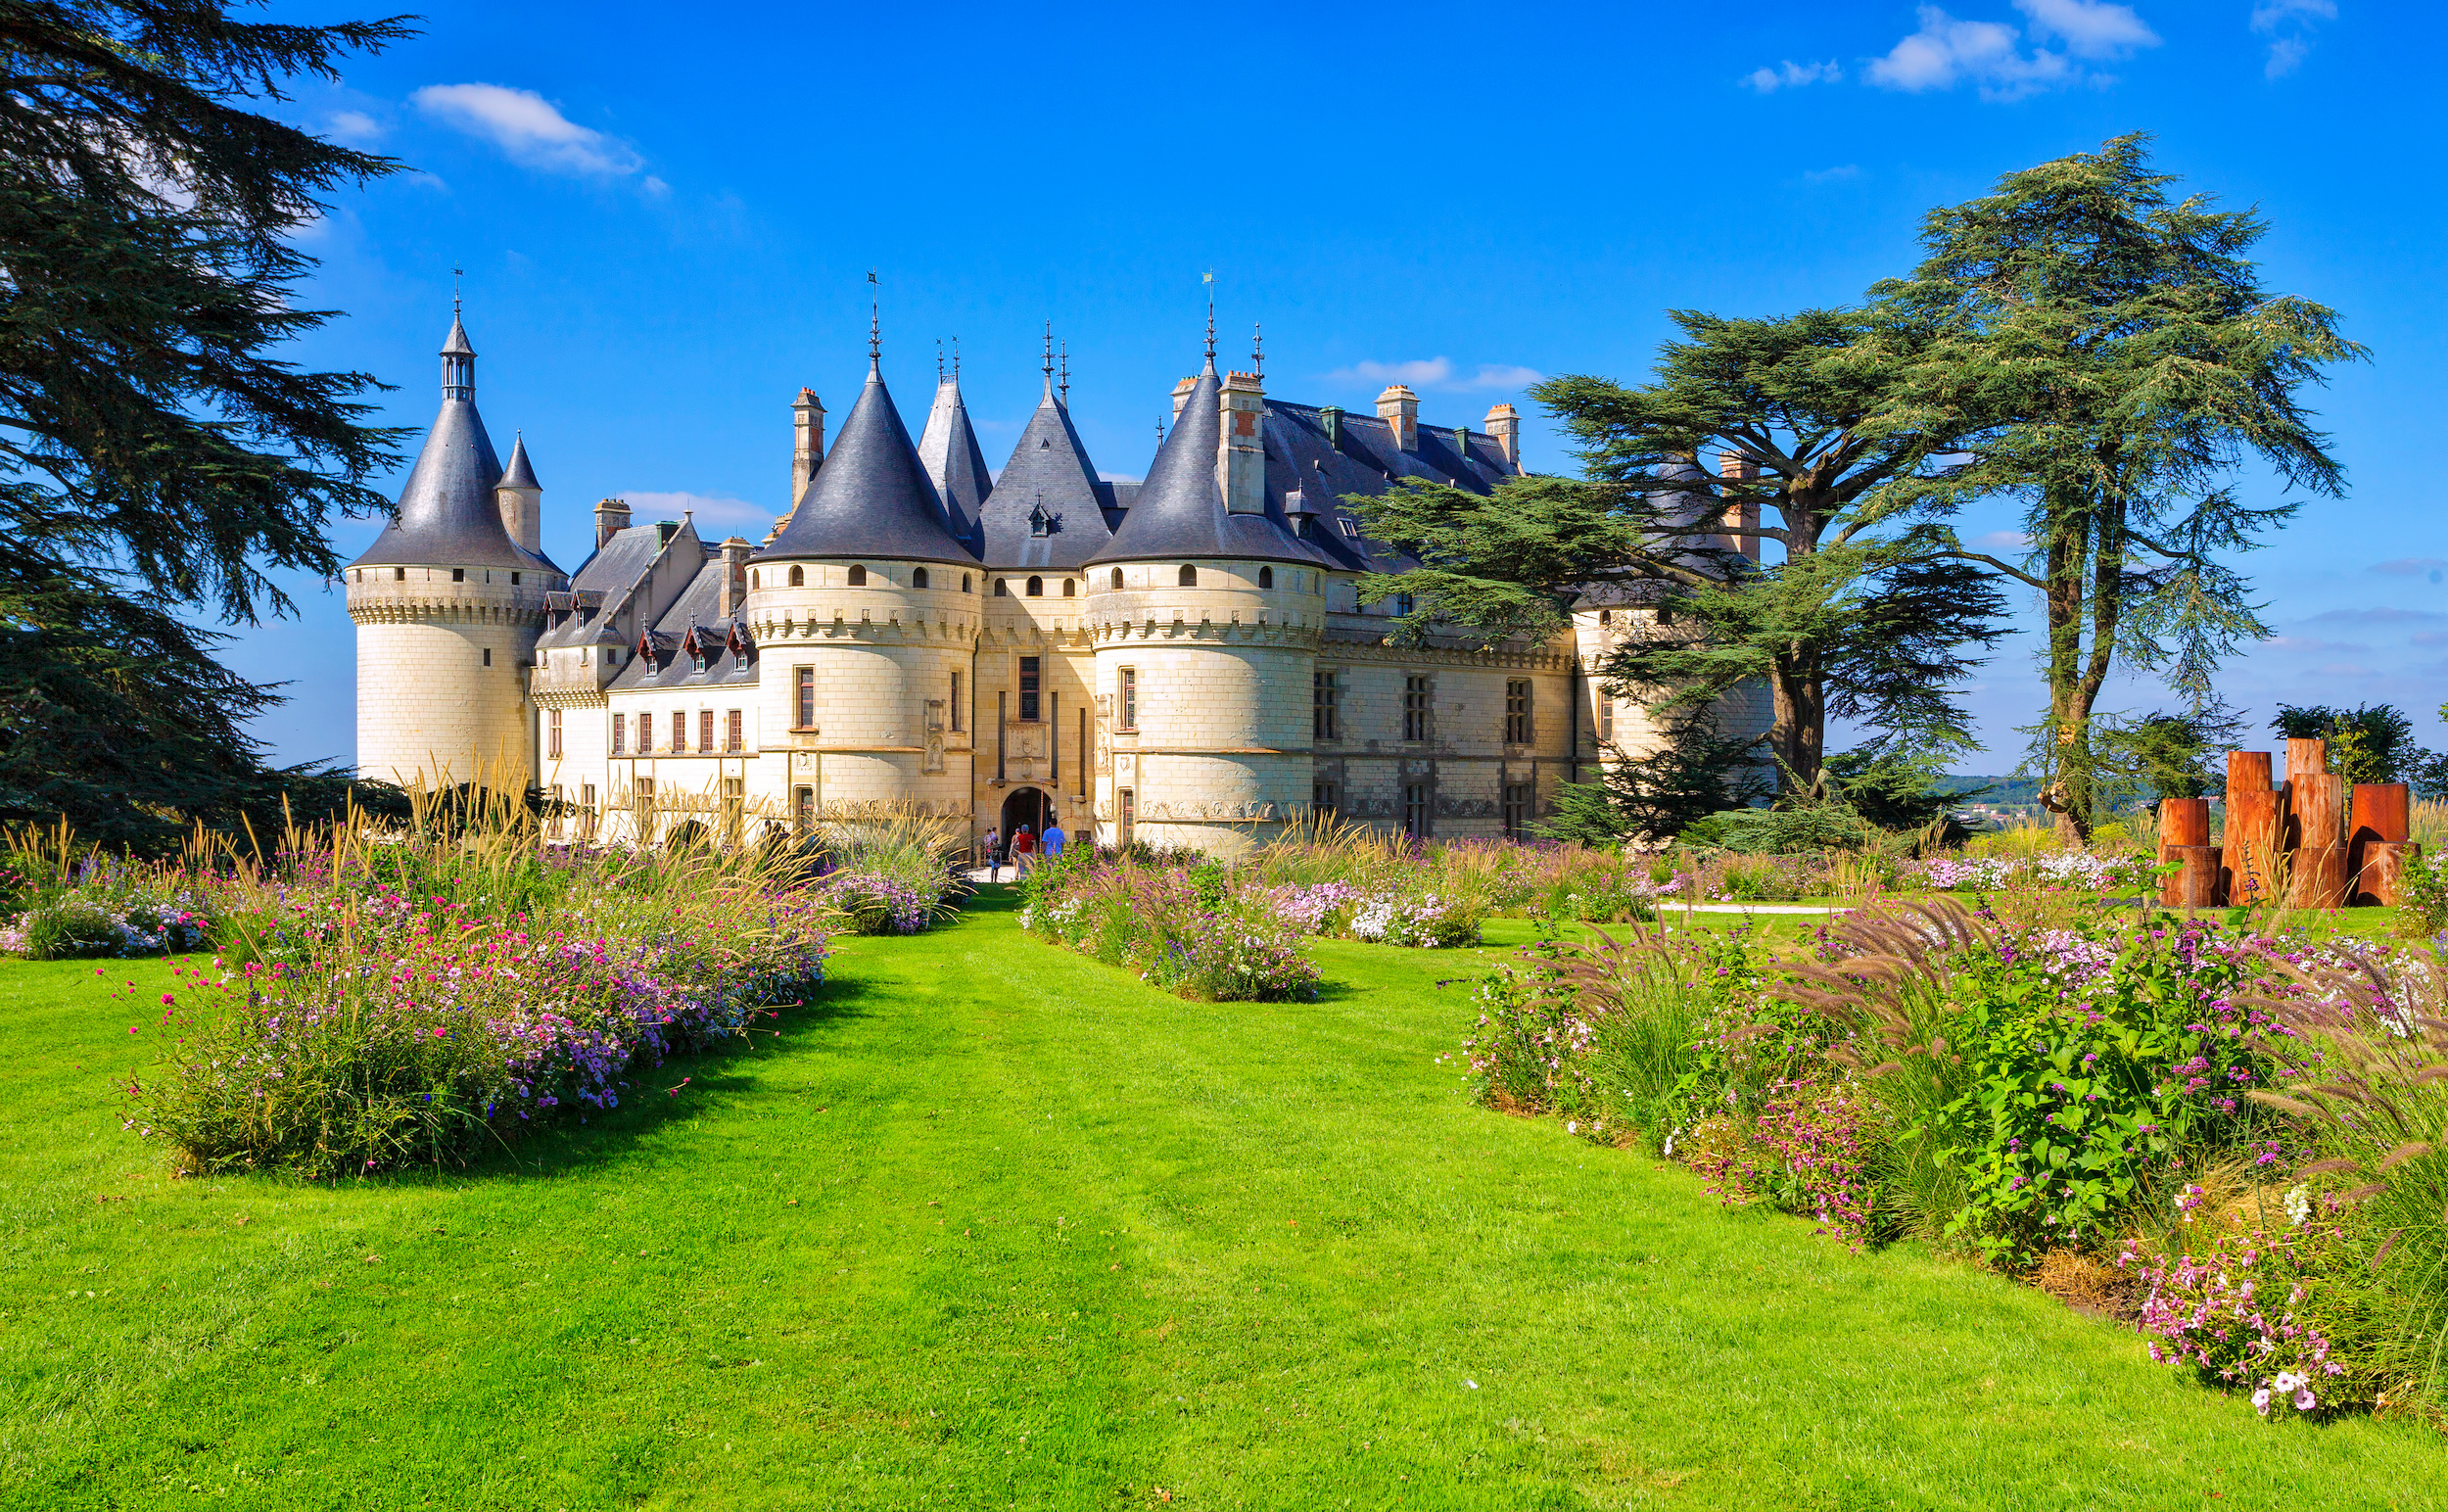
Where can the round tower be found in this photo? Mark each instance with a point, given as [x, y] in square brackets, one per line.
[1208, 610]
[448, 603]
[864, 610]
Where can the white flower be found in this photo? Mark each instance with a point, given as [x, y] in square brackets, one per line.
[2299, 1206]
[2286, 1383]
[2261, 1401]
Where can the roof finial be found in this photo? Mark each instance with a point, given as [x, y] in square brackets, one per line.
[1065, 381]
[955, 360]
[1258, 350]
[1210, 281]
[874, 324]
[1048, 367]
[456, 273]
[940, 361]
[1160, 433]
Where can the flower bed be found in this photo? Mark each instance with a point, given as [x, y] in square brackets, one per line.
[2252, 1129]
[388, 1006]
[1162, 922]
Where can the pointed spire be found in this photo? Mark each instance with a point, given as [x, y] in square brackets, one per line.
[1048, 506]
[872, 496]
[520, 474]
[874, 328]
[1180, 512]
[1210, 320]
[957, 466]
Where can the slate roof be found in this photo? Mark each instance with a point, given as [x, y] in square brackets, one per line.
[693, 612]
[1180, 508]
[1310, 474]
[1049, 474]
[521, 473]
[586, 614]
[871, 496]
[446, 514]
[954, 463]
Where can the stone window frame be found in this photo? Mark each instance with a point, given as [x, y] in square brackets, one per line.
[1126, 701]
[1418, 708]
[552, 733]
[1326, 704]
[803, 698]
[734, 731]
[1519, 702]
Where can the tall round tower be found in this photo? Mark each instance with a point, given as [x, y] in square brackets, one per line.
[448, 603]
[865, 607]
[1208, 610]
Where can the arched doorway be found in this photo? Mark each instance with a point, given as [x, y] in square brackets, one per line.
[1027, 806]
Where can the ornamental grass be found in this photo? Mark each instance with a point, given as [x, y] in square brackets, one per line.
[2247, 1132]
[392, 999]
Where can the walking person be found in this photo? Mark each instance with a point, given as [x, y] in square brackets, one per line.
[991, 851]
[1023, 845]
[1055, 840]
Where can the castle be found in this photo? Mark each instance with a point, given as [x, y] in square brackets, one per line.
[1183, 660]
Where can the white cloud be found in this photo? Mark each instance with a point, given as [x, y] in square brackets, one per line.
[1989, 54]
[1790, 75]
[528, 129]
[2005, 541]
[2089, 29]
[1831, 175]
[1435, 373]
[354, 128]
[710, 509]
[2288, 25]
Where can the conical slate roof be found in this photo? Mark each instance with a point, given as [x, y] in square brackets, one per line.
[1046, 510]
[954, 463]
[521, 473]
[871, 496]
[447, 515]
[1180, 509]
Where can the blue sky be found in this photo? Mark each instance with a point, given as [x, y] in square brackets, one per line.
[667, 216]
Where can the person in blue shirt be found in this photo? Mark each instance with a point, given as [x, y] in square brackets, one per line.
[1055, 838]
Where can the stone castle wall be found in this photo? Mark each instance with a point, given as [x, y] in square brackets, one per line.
[441, 669]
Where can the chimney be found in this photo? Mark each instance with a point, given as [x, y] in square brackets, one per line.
[611, 518]
[1400, 408]
[1504, 428]
[1241, 470]
[732, 600]
[1180, 395]
[1331, 418]
[1742, 516]
[807, 448]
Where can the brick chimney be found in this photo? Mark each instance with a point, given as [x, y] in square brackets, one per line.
[807, 448]
[1504, 428]
[1180, 395]
[1400, 408]
[611, 518]
[732, 597]
[1241, 470]
[1743, 517]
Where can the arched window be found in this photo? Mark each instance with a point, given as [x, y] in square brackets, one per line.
[1117, 579]
[1190, 576]
[1606, 616]
[917, 577]
[1036, 588]
[756, 580]
[1070, 590]
[798, 577]
[858, 577]
[1003, 588]
[964, 584]
[1266, 577]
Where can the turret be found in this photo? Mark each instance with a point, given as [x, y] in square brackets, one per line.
[521, 500]
[448, 601]
[1207, 611]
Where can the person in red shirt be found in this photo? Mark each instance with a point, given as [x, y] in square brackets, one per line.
[1023, 845]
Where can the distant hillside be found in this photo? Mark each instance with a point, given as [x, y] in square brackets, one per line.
[2002, 791]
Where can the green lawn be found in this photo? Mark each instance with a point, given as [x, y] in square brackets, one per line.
[994, 1226]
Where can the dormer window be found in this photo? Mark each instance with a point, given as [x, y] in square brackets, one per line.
[1039, 521]
[1349, 529]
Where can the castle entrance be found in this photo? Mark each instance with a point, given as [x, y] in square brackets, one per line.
[1027, 806]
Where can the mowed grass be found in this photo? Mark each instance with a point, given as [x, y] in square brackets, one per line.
[990, 1225]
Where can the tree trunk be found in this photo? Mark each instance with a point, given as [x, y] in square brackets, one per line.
[1798, 734]
[2068, 790]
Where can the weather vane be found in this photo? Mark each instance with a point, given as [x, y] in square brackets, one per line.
[1209, 280]
[1258, 350]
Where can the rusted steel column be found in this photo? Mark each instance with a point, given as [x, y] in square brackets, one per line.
[2378, 819]
[2376, 877]
[2247, 771]
[2317, 876]
[2184, 838]
[2253, 852]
